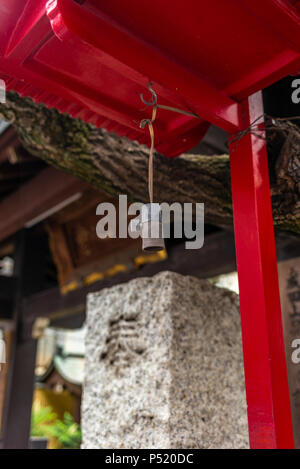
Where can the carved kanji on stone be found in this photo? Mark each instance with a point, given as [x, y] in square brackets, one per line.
[123, 343]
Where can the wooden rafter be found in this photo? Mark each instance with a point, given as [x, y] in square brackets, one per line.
[48, 189]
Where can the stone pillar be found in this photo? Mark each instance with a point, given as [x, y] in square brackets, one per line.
[164, 366]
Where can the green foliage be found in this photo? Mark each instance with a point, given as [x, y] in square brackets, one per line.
[44, 423]
[41, 419]
[67, 432]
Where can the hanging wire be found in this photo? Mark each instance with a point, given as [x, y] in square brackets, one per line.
[256, 128]
[261, 124]
[143, 124]
[153, 102]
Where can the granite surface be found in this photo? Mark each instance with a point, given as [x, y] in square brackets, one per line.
[164, 366]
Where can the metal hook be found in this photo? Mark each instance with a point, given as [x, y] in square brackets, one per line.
[154, 97]
[161, 106]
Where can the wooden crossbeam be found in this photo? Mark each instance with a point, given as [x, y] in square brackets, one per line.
[41, 194]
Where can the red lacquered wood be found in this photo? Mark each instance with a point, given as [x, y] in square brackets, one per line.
[92, 59]
[269, 414]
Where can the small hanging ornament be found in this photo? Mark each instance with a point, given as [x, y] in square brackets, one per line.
[151, 217]
[151, 228]
[2, 353]
[150, 223]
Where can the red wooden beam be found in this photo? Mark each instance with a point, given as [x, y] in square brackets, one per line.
[269, 414]
[67, 17]
[41, 194]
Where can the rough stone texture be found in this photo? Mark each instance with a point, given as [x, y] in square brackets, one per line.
[164, 366]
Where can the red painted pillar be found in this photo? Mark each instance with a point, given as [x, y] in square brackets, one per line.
[269, 414]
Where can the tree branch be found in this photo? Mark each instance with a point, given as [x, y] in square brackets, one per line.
[116, 165]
